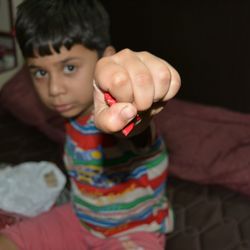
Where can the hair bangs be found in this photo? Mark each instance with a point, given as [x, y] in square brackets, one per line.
[49, 41]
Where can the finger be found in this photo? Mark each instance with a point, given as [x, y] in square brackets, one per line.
[165, 77]
[157, 108]
[112, 77]
[113, 118]
[175, 83]
[140, 76]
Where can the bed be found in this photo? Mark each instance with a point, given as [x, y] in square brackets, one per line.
[206, 128]
[207, 216]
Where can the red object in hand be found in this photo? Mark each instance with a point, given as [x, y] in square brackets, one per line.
[128, 128]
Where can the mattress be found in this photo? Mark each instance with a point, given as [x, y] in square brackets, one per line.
[207, 217]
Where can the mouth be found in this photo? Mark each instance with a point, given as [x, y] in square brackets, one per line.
[63, 108]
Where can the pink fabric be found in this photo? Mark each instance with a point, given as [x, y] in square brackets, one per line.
[207, 144]
[8, 219]
[60, 229]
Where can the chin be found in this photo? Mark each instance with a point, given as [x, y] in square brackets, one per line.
[69, 114]
[74, 113]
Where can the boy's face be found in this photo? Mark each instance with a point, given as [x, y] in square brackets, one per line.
[64, 80]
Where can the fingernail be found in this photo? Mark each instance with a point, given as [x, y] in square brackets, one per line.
[128, 113]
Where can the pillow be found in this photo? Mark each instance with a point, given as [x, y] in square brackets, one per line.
[19, 97]
[207, 144]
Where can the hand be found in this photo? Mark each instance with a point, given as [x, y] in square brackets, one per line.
[139, 81]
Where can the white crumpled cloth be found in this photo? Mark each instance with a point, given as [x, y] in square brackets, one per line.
[30, 188]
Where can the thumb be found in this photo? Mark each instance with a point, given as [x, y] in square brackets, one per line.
[114, 118]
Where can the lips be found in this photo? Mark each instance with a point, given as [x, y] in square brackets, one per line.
[63, 108]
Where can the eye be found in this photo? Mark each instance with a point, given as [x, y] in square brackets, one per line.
[68, 69]
[40, 73]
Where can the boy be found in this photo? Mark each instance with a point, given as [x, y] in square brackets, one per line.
[117, 182]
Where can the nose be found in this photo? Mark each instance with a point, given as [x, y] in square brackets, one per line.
[56, 85]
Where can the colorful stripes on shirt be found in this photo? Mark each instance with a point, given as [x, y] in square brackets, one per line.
[116, 188]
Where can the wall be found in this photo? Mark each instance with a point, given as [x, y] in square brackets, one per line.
[4, 77]
[208, 42]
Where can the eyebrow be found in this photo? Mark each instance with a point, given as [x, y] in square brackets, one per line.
[33, 66]
[69, 59]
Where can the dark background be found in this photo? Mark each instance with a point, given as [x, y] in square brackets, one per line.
[206, 41]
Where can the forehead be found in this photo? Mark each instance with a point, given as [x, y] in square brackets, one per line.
[76, 52]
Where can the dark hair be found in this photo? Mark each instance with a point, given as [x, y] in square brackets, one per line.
[42, 24]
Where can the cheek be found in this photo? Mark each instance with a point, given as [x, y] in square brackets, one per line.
[85, 95]
[83, 89]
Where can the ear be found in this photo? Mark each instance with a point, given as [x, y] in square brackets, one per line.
[109, 51]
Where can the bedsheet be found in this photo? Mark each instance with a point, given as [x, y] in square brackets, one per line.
[207, 217]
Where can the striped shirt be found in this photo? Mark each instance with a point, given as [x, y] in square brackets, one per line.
[116, 188]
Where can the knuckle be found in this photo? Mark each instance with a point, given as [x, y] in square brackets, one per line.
[164, 74]
[145, 54]
[126, 51]
[119, 79]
